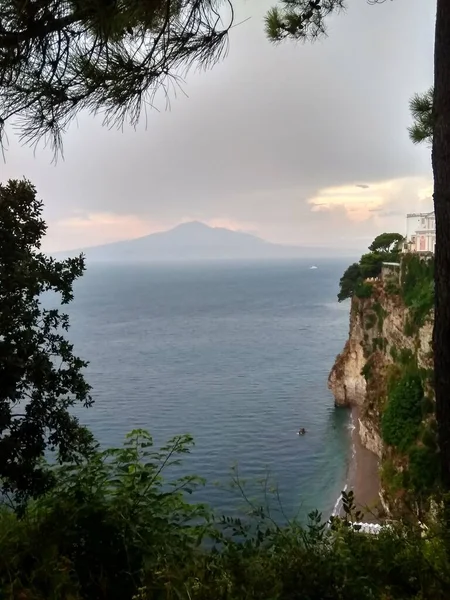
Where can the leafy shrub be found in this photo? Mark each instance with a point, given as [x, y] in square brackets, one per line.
[364, 290]
[114, 529]
[392, 287]
[417, 288]
[403, 414]
[391, 478]
[104, 522]
[406, 357]
[394, 353]
[349, 281]
[423, 469]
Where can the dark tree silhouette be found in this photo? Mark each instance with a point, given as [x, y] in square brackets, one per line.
[40, 377]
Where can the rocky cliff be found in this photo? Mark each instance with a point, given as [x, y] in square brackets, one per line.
[386, 340]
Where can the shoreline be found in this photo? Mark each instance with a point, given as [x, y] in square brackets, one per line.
[362, 476]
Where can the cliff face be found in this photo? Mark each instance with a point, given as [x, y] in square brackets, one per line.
[379, 331]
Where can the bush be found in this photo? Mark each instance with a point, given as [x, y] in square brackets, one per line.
[349, 281]
[392, 287]
[113, 529]
[423, 469]
[363, 290]
[403, 414]
[105, 522]
[391, 478]
[417, 288]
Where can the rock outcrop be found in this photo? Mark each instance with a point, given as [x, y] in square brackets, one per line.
[380, 329]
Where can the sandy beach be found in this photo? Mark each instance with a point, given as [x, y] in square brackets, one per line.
[363, 475]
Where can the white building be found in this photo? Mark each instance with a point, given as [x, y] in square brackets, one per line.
[420, 232]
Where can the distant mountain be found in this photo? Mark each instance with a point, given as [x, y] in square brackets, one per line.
[195, 241]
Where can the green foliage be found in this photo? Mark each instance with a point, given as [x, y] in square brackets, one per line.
[300, 19]
[402, 416]
[421, 107]
[370, 264]
[407, 358]
[417, 289]
[391, 478]
[118, 526]
[60, 57]
[392, 287]
[349, 281]
[428, 436]
[104, 522]
[364, 290]
[387, 243]
[423, 469]
[383, 249]
[40, 377]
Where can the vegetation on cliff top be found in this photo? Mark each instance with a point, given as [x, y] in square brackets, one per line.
[384, 248]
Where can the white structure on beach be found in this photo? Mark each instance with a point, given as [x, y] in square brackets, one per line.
[420, 232]
[373, 528]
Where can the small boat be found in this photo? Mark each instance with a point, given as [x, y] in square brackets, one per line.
[313, 267]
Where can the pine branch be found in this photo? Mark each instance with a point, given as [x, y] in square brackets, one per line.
[59, 57]
[303, 20]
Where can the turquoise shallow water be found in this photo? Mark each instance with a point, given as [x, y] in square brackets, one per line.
[237, 355]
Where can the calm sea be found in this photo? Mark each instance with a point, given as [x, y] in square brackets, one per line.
[237, 355]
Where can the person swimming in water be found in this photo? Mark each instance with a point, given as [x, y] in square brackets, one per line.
[301, 431]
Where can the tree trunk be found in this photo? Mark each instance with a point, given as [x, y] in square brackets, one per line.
[441, 173]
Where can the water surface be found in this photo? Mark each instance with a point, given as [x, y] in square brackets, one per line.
[236, 355]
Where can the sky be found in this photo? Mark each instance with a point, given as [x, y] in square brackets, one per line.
[299, 144]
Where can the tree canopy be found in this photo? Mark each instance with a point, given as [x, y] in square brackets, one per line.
[58, 57]
[40, 377]
[386, 242]
[384, 248]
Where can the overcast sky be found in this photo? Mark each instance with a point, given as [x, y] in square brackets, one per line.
[300, 144]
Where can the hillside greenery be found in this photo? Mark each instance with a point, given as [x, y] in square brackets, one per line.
[385, 248]
[417, 288]
[403, 415]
